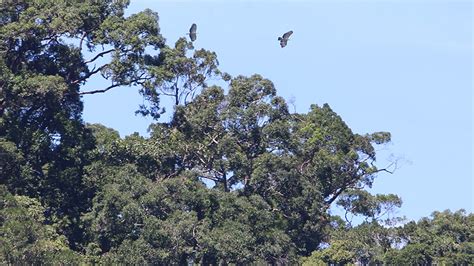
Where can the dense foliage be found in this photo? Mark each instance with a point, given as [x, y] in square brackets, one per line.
[233, 177]
[446, 238]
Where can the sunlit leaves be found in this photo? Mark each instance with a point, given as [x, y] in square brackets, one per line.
[360, 202]
[24, 236]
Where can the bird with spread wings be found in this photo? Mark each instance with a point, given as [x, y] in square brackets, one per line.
[192, 32]
[284, 39]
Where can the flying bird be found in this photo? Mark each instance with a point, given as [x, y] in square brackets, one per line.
[284, 39]
[192, 32]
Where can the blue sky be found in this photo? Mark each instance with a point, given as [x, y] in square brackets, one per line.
[395, 66]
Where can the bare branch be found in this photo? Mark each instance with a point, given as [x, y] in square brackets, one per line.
[111, 87]
[93, 72]
[387, 167]
[101, 91]
[99, 55]
[349, 222]
[82, 39]
[384, 170]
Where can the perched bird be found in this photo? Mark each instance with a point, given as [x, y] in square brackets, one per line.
[284, 39]
[192, 32]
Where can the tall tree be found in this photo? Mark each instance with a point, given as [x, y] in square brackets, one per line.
[271, 176]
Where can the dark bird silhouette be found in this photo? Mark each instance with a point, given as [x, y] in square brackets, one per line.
[192, 32]
[284, 39]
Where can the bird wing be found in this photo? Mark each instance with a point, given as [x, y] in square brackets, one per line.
[192, 32]
[283, 42]
[193, 29]
[287, 35]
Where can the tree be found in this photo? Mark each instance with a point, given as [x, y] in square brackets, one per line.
[24, 238]
[232, 178]
[43, 66]
[40, 111]
[226, 133]
[323, 159]
[172, 73]
[366, 243]
[178, 219]
[446, 237]
[247, 141]
[361, 202]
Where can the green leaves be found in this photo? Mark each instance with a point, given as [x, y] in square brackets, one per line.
[133, 33]
[232, 178]
[181, 219]
[175, 74]
[360, 202]
[24, 237]
[446, 237]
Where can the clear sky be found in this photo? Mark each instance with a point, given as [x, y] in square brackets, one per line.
[395, 66]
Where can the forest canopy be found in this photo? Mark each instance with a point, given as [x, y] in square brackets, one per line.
[233, 177]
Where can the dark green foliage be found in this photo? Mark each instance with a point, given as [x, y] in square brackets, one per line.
[42, 68]
[181, 219]
[445, 238]
[40, 105]
[25, 238]
[365, 243]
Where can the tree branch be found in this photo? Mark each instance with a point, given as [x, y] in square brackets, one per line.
[101, 91]
[93, 72]
[335, 195]
[348, 184]
[352, 182]
[386, 168]
[110, 87]
[99, 55]
[82, 39]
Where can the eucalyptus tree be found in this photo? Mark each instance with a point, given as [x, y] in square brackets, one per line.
[246, 141]
[276, 174]
[49, 52]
